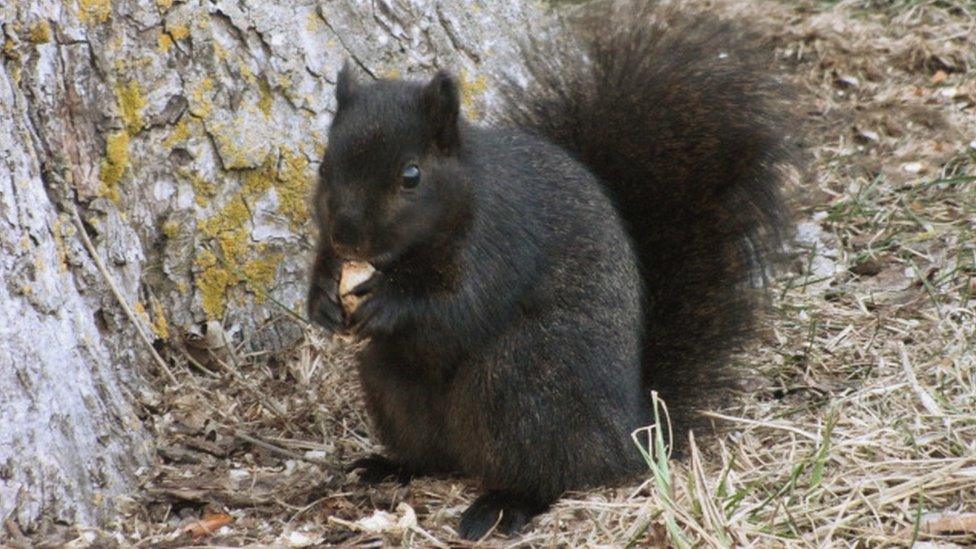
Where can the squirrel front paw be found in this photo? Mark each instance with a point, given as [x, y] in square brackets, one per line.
[324, 308]
[376, 468]
[379, 313]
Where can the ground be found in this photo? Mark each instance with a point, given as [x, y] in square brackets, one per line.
[857, 423]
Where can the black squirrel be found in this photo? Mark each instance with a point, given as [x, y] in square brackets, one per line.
[537, 279]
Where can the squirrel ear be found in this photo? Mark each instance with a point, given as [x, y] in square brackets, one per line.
[441, 103]
[346, 85]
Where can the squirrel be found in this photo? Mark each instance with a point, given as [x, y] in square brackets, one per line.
[537, 278]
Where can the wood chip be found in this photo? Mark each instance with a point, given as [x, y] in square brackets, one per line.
[208, 525]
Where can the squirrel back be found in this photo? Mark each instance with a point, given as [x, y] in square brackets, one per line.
[681, 121]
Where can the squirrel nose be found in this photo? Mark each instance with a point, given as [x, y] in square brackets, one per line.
[347, 238]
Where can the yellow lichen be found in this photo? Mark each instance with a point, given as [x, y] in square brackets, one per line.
[160, 326]
[237, 260]
[94, 11]
[113, 166]
[181, 131]
[313, 22]
[257, 181]
[212, 281]
[237, 149]
[15, 75]
[265, 100]
[293, 184]
[260, 273]
[164, 42]
[228, 229]
[219, 51]
[40, 32]
[232, 259]
[171, 229]
[246, 71]
[203, 189]
[201, 97]
[178, 31]
[140, 310]
[131, 102]
[10, 49]
[471, 92]
[236, 263]
[115, 44]
[164, 5]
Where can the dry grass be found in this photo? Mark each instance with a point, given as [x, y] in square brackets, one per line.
[858, 426]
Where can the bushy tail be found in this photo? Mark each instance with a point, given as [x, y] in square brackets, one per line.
[681, 119]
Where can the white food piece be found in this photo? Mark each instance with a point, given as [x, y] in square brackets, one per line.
[353, 274]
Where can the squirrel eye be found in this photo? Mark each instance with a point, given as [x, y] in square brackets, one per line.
[410, 177]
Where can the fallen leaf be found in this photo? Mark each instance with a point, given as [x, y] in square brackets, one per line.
[378, 522]
[208, 525]
[867, 267]
[299, 539]
[945, 523]
[408, 520]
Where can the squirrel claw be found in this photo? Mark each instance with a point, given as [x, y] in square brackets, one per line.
[325, 311]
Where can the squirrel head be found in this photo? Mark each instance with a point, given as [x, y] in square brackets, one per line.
[391, 180]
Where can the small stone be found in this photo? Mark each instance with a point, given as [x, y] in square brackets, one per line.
[867, 267]
[912, 167]
[848, 81]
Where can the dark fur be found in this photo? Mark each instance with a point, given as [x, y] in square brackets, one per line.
[683, 123]
[509, 324]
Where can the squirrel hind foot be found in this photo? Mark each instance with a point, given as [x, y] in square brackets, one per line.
[500, 512]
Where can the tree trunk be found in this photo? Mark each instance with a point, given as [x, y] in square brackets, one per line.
[155, 162]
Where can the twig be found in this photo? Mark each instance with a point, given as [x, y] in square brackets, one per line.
[270, 447]
[200, 367]
[118, 295]
[927, 401]
[283, 451]
[768, 424]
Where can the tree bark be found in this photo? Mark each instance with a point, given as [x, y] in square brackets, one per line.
[155, 162]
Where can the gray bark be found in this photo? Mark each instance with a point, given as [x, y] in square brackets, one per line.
[182, 138]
